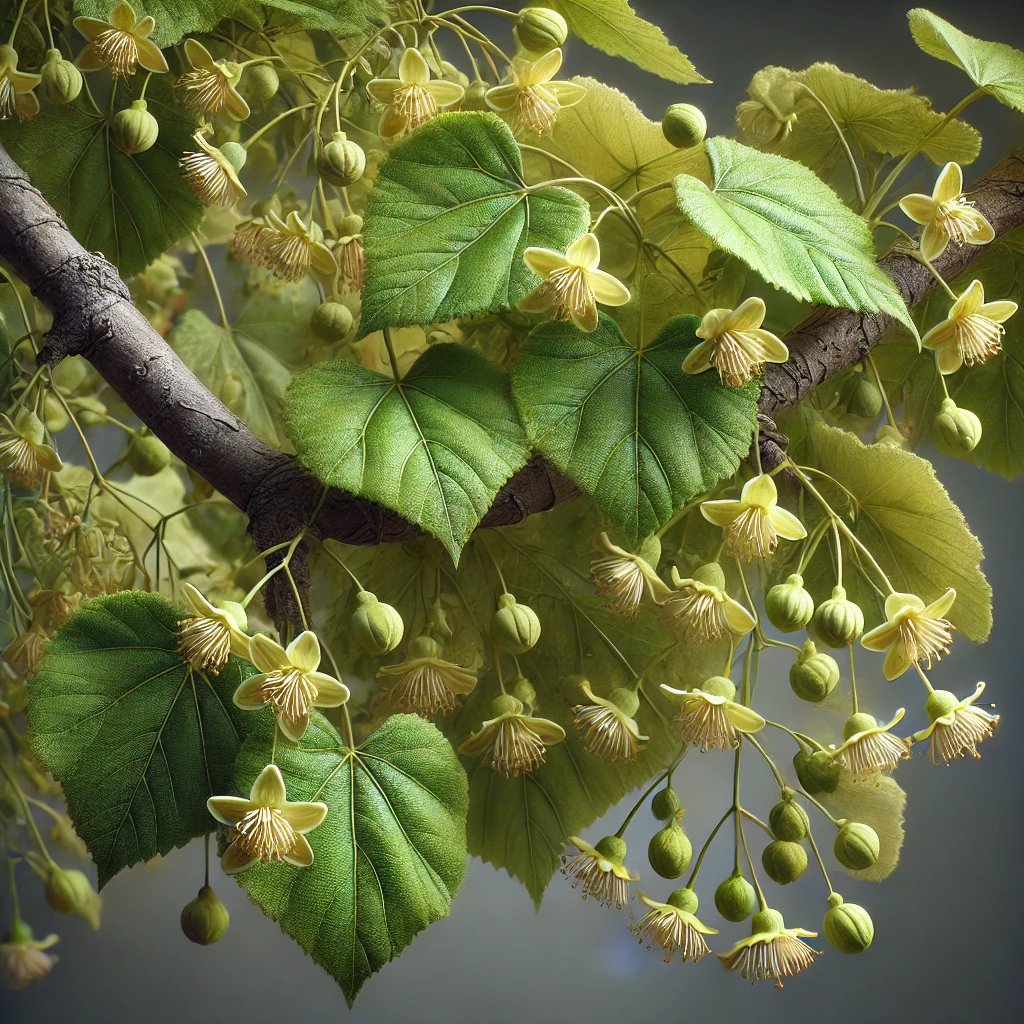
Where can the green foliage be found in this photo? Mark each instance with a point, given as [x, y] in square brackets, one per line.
[790, 227]
[435, 446]
[625, 423]
[390, 855]
[448, 220]
[994, 67]
[130, 208]
[137, 739]
[612, 27]
[880, 804]
[898, 508]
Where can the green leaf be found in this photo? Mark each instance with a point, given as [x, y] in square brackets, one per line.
[625, 423]
[435, 446]
[390, 855]
[249, 367]
[612, 27]
[130, 208]
[995, 67]
[785, 223]
[138, 739]
[448, 220]
[880, 804]
[901, 512]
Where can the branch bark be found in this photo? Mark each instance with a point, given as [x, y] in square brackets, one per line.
[93, 316]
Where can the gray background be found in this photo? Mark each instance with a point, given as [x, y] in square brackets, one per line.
[948, 924]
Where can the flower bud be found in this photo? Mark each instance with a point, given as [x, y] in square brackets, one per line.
[523, 691]
[783, 861]
[813, 676]
[939, 704]
[378, 628]
[626, 700]
[612, 847]
[863, 396]
[331, 321]
[856, 846]
[205, 919]
[669, 851]
[684, 125]
[235, 154]
[788, 820]
[62, 81]
[788, 605]
[424, 646]
[515, 627]
[890, 435]
[135, 129]
[837, 621]
[956, 431]
[735, 898]
[261, 82]
[817, 770]
[54, 414]
[351, 224]
[683, 899]
[847, 926]
[70, 892]
[666, 806]
[342, 161]
[147, 454]
[539, 29]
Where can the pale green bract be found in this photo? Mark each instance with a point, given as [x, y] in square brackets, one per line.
[447, 222]
[995, 67]
[625, 423]
[789, 226]
[137, 739]
[436, 446]
[390, 855]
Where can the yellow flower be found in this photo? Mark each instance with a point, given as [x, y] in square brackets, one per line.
[425, 683]
[208, 638]
[532, 97]
[23, 452]
[947, 215]
[413, 98]
[267, 826]
[23, 961]
[288, 680]
[869, 748]
[211, 175]
[957, 727]
[754, 523]
[600, 870]
[735, 344]
[710, 718]
[287, 247]
[913, 632]
[210, 86]
[624, 578]
[573, 285]
[511, 742]
[701, 609]
[16, 95]
[607, 726]
[673, 925]
[121, 44]
[772, 951]
[351, 258]
[972, 332]
[770, 114]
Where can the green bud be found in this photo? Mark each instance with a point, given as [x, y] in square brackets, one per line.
[540, 29]
[351, 224]
[813, 676]
[847, 926]
[939, 704]
[147, 454]
[515, 627]
[612, 847]
[235, 154]
[424, 646]
[684, 125]
[261, 82]
[684, 900]
[783, 861]
[788, 605]
[818, 771]
[710, 574]
[856, 846]
[522, 690]
[377, 627]
[956, 431]
[331, 321]
[788, 820]
[342, 161]
[837, 621]
[862, 396]
[70, 892]
[135, 129]
[62, 81]
[626, 700]
[205, 919]
[735, 898]
[666, 805]
[889, 435]
[669, 851]
[860, 721]
[54, 415]
[766, 921]
[506, 704]
[720, 686]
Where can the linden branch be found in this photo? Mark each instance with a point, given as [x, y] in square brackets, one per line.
[93, 316]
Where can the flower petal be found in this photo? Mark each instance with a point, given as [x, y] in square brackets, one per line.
[293, 726]
[543, 261]
[268, 789]
[229, 810]
[444, 92]
[198, 55]
[743, 719]
[999, 310]
[949, 184]
[301, 853]
[881, 637]
[143, 28]
[304, 816]
[198, 602]
[933, 242]
[760, 492]
[898, 602]
[607, 289]
[897, 661]
[919, 208]
[982, 234]
[250, 694]
[545, 68]
[722, 512]
[773, 348]
[502, 97]
[91, 27]
[938, 608]
[540, 300]
[123, 16]
[304, 651]
[740, 621]
[266, 654]
[568, 94]
[330, 692]
[150, 57]
[585, 317]
[236, 859]
[584, 252]
[748, 315]
[787, 525]
[698, 359]
[412, 68]
[235, 105]
[940, 335]
[383, 89]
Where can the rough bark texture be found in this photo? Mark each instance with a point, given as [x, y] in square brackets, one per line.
[93, 316]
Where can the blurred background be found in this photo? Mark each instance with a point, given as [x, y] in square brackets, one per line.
[948, 924]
